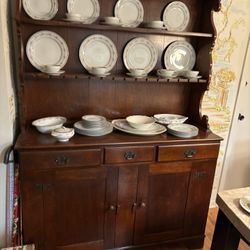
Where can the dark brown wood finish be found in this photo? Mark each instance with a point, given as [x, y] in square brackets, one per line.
[117, 190]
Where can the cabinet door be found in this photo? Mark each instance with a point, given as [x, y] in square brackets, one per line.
[199, 193]
[161, 200]
[74, 207]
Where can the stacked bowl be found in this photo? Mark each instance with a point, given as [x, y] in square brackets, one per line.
[93, 125]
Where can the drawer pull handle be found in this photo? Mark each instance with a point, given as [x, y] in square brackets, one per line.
[112, 207]
[62, 160]
[129, 155]
[190, 153]
[200, 174]
[143, 205]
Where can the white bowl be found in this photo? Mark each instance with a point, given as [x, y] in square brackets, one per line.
[166, 73]
[140, 121]
[73, 16]
[111, 20]
[98, 70]
[63, 134]
[47, 124]
[155, 24]
[93, 121]
[170, 118]
[51, 68]
[137, 72]
[192, 73]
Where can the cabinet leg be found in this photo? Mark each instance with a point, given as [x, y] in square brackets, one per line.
[226, 236]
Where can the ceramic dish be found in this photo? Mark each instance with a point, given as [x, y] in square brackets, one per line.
[99, 131]
[41, 9]
[63, 134]
[98, 51]
[91, 121]
[129, 12]
[179, 55]
[60, 72]
[176, 16]
[183, 130]
[47, 48]
[245, 203]
[170, 118]
[47, 124]
[88, 9]
[136, 76]
[122, 125]
[141, 122]
[140, 53]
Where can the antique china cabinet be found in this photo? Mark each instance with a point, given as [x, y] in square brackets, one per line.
[118, 190]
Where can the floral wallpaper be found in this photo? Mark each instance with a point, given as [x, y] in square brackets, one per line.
[233, 27]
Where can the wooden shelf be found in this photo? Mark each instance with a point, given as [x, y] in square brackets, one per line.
[142, 30]
[126, 78]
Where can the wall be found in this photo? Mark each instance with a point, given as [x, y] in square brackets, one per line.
[7, 111]
[233, 27]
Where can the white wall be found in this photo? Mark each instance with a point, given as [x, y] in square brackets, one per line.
[7, 112]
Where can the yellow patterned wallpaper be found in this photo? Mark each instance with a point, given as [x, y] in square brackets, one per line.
[233, 27]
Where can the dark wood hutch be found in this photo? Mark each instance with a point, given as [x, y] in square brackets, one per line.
[84, 194]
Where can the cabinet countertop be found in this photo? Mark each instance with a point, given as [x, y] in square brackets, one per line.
[32, 139]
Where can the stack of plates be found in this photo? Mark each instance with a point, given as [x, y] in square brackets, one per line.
[123, 125]
[183, 130]
[93, 125]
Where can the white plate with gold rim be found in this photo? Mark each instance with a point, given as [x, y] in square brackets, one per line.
[88, 9]
[98, 51]
[47, 48]
[129, 12]
[176, 16]
[122, 125]
[140, 53]
[179, 55]
[41, 9]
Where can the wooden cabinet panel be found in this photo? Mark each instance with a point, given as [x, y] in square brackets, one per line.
[60, 158]
[129, 154]
[162, 195]
[187, 152]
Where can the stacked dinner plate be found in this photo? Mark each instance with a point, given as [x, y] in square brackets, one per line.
[183, 130]
[93, 125]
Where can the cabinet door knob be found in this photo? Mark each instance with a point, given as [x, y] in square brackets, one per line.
[241, 117]
[143, 205]
[62, 160]
[129, 155]
[190, 153]
[112, 208]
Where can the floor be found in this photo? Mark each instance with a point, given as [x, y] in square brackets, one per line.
[209, 235]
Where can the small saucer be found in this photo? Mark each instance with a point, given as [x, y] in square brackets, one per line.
[56, 73]
[196, 77]
[100, 75]
[136, 76]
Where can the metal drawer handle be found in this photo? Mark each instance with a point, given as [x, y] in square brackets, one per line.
[190, 153]
[200, 174]
[62, 160]
[129, 155]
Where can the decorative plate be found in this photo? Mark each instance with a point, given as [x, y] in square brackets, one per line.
[179, 55]
[98, 51]
[170, 118]
[176, 16]
[122, 125]
[47, 48]
[245, 203]
[88, 9]
[183, 130]
[41, 9]
[140, 53]
[130, 12]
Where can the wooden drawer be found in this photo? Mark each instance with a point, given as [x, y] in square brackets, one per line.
[187, 152]
[129, 154]
[61, 158]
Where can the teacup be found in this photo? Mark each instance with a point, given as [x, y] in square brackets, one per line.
[98, 70]
[51, 68]
[73, 16]
[111, 20]
[156, 24]
[137, 72]
[166, 72]
[191, 74]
